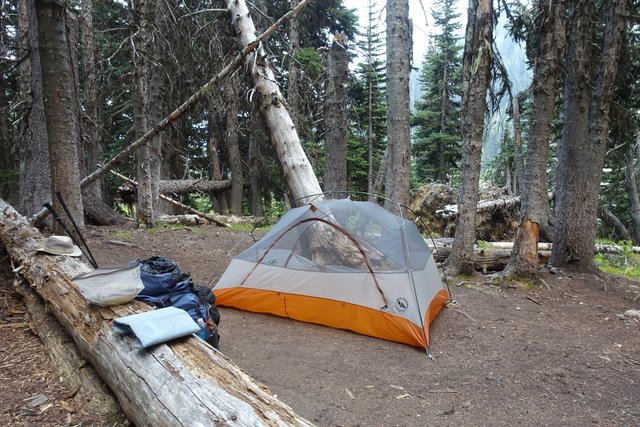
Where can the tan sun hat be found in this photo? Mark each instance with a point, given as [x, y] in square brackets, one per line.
[60, 245]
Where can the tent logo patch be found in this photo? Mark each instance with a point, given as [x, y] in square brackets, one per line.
[402, 304]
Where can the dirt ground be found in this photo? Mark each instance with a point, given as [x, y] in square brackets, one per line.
[504, 355]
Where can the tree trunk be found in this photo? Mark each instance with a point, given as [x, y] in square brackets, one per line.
[34, 174]
[60, 105]
[517, 148]
[548, 65]
[585, 131]
[293, 95]
[93, 148]
[398, 115]
[476, 74]
[147, 106]
[335, 172]
[382, 172]
[255, 184]
[184, 382]
[299, 174]
[233, 146]
[215, 167]
[632, 188]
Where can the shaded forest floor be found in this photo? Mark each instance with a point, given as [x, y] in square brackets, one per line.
[502, 356]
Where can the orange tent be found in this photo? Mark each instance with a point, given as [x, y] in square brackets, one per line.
[341, 263]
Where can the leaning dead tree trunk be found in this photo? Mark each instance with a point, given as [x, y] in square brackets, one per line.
[185, 382]
[237, 61]
[299, 174]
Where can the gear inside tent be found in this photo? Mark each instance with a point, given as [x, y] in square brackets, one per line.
[341, 263]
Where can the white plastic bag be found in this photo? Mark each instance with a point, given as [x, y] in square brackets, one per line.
[110, 285]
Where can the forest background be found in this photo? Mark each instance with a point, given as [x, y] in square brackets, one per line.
[84, 79]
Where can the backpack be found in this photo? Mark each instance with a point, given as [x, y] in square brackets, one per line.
[166, 285]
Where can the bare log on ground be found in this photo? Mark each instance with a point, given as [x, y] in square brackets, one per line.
[208, 217]
[182, 186]
[185, 382]
[237, 61]
[599, 248]
[484, 259]
[88, 389]
[198, 220]
[496, 256]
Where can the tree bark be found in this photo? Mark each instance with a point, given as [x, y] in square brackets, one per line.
[293, 95]
[476, 73]
[632, 188]
[60, 105]
[184, 382]
[335, 175]
[585, 132]
[398, 174]
[233, 146]
[517, 148]
[147, 106]
[299, 174]
[548, 65]
[93, 146]
[215, 165]
[34, 174]
[255, 183]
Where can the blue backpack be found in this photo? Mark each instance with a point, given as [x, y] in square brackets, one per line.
[165, 285]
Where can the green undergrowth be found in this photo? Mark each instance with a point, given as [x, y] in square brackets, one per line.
[624, 263]
[123, 234]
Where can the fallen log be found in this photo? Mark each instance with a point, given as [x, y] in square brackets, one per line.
[208, 217]
[484, 259]
[182, 186]
[494, 256]
[197, 220]
[185, 382]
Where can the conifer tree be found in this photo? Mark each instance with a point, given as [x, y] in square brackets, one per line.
[368, 96]
[437, 119]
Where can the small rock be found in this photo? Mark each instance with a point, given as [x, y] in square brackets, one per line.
[632, 313]
[38, 400]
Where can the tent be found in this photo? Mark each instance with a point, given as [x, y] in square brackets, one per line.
[341, 263]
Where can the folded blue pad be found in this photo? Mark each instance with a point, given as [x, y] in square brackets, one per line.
[157, 326]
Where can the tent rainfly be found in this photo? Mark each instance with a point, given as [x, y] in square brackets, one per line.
[341, 263]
